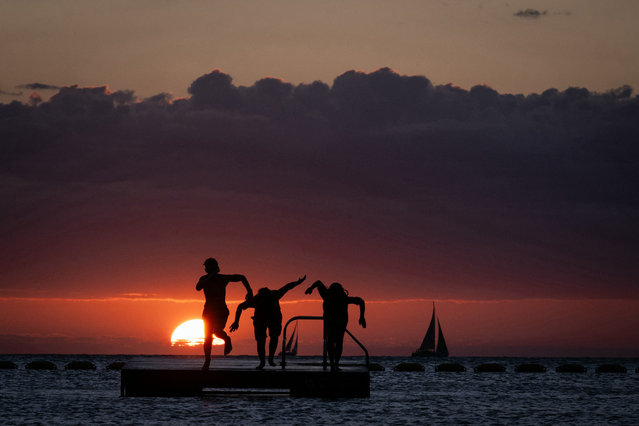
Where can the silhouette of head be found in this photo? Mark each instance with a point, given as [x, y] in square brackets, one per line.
[263, 291]
[211, 266]
[336, 290]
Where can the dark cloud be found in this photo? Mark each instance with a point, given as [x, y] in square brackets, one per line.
[160, 99]
[378, 178]
[38, 86]
[214, 90]
[530, 13]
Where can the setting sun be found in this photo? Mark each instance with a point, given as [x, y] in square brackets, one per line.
[191, 333]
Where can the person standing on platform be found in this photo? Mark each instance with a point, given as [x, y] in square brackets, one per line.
[336, 301]
[215, 311]
[268, 315]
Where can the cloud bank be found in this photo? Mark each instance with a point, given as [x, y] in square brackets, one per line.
[377, 179]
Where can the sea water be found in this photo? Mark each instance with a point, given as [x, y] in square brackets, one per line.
[93, 396]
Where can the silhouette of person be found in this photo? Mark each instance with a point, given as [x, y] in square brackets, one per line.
[268, 315]
[336, 301]
[215, 311]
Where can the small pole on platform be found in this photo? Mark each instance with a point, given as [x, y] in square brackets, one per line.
[284, 347]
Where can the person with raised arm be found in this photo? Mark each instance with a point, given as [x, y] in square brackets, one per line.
[336, 301]
[215, 311]
[267, 316]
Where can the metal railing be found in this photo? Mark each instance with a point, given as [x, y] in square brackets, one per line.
[324, 353]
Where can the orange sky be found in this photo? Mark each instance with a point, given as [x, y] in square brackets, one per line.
[536, 327]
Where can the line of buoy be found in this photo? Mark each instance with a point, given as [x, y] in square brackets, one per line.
[521, 368]
[48, 365]
[404, 366]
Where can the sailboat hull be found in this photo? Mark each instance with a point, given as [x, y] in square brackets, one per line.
[423, 354]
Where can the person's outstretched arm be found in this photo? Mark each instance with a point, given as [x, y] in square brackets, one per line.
[290, 286]
[242, 278]
[238, 313]
[359, 301]
[320, 287]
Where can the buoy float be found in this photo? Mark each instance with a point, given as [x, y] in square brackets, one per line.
[611, 368]
[116, 365]
[8, 365]
[41, 365]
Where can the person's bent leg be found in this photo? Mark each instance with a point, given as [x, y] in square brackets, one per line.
[339, 346]
[208, 342]
[272, 347]
[261, 351]
[259, 330]
[274, 332]
[330, 349]
[227, 340]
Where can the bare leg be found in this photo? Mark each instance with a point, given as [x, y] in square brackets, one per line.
[261, 351]
[272, 347]
[330, 349]
[227, 340]
[208, 342]
[339, 346]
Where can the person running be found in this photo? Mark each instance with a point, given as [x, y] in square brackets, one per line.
[268, 315]
[215, 311]
[336, 301]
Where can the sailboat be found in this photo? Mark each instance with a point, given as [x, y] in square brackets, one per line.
[433, 343]
[291, 347]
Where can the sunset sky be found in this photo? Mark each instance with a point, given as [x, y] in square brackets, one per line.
[479, 154]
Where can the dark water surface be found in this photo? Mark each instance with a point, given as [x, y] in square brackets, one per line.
[81, 397]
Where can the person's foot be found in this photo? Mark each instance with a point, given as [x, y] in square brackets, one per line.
[227, 346]
[259, 367]
[206, 365]
[271, 362]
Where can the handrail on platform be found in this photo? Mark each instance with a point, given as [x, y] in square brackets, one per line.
[324, 363]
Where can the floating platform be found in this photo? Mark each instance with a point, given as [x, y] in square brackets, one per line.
[184, 377]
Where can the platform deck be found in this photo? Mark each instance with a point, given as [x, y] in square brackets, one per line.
[184, 377]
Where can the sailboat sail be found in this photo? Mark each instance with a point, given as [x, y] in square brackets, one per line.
[433, 343]
[428, 344]
[442, 350]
